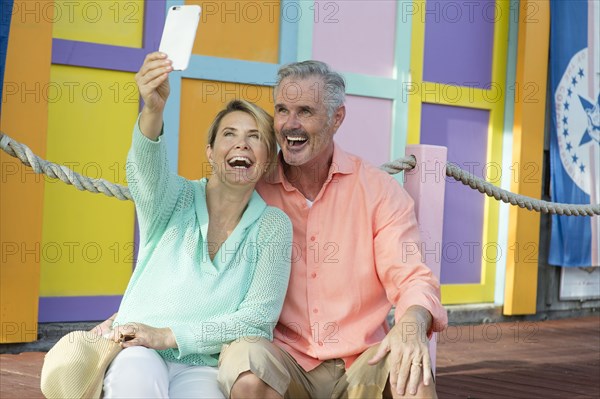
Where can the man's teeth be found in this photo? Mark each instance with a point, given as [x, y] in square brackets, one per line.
[296, 140]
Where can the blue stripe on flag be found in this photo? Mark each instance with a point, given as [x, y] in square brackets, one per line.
[5, 16]
[571, 236]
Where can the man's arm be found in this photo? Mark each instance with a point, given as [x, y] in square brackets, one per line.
[411, 286]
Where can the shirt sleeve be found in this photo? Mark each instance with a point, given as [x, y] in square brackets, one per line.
[406, 278]
[258, 313]
[154, 188]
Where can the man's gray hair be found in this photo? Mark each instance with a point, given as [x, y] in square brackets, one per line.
[333, 88]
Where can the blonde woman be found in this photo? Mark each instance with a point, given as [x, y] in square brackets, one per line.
[214, 259]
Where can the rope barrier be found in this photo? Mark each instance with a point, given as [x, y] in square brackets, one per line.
[83, 183]
[61, 172]
[499, 194]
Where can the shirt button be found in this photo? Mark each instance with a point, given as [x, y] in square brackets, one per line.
[315, 310]
[320, 343]
[313, 238]
[313, 275]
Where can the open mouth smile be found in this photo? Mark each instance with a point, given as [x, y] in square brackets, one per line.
[240, 162]
[296, 141]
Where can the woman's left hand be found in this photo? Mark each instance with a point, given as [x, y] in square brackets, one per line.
[104, 327]
[143, 335]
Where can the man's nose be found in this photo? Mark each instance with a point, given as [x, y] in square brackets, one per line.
[292, 121]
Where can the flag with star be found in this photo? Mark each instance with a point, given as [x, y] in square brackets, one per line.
[575, 130]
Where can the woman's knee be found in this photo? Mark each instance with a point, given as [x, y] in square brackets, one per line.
[130, 372]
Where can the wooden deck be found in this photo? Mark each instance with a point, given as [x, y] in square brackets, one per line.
[546, 359]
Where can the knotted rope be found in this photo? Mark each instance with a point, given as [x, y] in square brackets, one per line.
[83, 183]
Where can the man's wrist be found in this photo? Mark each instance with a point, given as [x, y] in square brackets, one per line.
[419, 315]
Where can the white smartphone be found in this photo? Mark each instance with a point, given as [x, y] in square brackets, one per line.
[179, 34]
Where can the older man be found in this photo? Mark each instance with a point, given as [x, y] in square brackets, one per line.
[352, 224]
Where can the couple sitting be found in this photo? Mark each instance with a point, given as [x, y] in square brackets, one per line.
[208, 305]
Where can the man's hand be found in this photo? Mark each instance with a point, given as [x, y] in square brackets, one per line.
[408, 349]
[138, 334]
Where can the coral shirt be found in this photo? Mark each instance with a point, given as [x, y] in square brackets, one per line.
[348, 262]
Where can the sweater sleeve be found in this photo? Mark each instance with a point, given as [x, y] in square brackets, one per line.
[258, 313]
[154, 189]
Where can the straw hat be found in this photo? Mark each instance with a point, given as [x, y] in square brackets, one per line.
[75, 366]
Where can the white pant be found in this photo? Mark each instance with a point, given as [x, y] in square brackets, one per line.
[139, 372]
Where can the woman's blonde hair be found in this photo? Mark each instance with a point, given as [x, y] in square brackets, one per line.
[264, 121]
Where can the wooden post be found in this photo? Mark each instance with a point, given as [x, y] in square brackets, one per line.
[528, 150]
[24, 118]
[426, 184]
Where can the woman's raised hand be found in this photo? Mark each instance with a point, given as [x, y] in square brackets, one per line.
[153, 81]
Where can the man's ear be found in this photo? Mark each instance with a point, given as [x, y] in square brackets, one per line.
[338, 117]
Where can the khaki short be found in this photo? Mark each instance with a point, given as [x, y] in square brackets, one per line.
[280, 371]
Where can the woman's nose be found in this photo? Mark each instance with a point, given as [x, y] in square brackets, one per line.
[242, 144]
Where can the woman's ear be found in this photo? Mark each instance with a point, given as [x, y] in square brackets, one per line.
[209, 153]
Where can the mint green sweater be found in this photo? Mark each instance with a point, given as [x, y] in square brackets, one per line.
[175, 284]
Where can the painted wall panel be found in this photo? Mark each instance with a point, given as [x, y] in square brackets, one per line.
[356, 36]
[78, 308]
[119, 23]
[459, 39]
[244, 30]
[24, 117]
[87, 240]
[366, 131]
[464, 131]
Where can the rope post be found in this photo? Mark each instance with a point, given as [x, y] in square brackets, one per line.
[426, 184]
